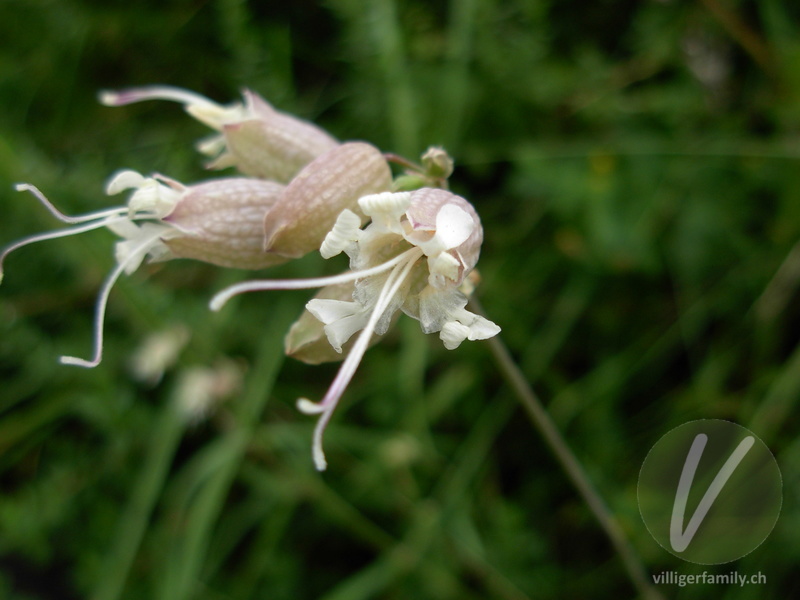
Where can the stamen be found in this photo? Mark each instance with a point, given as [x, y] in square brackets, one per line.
[52, 235]
[328, 404]
[102, 301]
[26, 187]
[257, 285]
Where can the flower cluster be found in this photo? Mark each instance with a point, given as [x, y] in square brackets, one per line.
[412, 244]
[237, 222]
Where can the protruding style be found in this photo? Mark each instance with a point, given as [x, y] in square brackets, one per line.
[253, 137]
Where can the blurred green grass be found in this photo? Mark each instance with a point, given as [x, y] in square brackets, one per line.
[635, 166]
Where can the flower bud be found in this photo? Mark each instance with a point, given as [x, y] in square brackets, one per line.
[437, 163]
[314, 199]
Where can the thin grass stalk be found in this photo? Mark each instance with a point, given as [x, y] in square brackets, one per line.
[544, 424]
[166, 436]
[203, 514]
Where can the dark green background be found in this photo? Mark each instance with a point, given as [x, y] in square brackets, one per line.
[636, 167]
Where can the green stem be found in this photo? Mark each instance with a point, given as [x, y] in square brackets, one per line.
[569, 463]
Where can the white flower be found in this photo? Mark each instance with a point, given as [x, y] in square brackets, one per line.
[414, 257]
[220, 221]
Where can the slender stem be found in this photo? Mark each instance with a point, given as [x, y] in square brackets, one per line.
[569, 463]
[743, 34]
[403, 162]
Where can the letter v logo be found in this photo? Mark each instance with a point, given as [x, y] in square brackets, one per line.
[680, 540]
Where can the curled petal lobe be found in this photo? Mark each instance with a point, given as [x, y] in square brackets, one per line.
[341, 318]
[345, 232]
[453, 333]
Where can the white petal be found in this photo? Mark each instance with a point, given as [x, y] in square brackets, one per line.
[342, 319]
[386, 209]
[453, 333]
[453, 226]
[443, 265]
[154, 198]
[211, 146]
[132, 250]
[125, 229]
[345, 231]
[329, 311]
[216, 115]
[437, 307]
[480, 328]
[483, 329]
[124, 180]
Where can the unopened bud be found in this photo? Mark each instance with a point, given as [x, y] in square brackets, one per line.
[437, 163]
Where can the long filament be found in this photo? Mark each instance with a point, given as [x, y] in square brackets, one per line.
[156, 92]
[52, 235]
[328, 404]
[257, 285]
[27, 187]
[102, 301]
